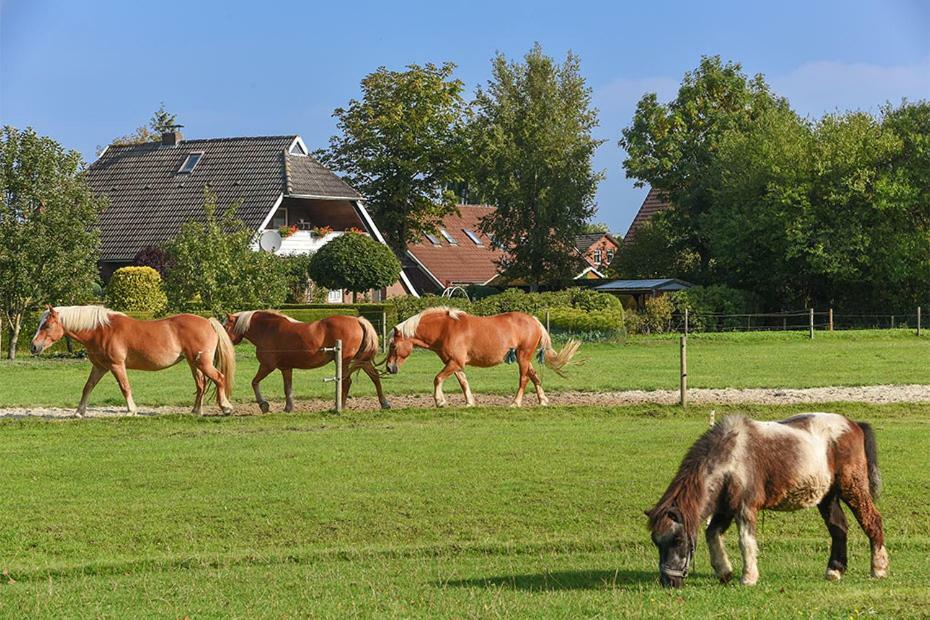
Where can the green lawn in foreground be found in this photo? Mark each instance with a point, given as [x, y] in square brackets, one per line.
[715, 360]
[459, 513]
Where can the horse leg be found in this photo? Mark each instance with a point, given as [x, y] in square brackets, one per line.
[718, 553]
[346, 380]
[835, 520]
[119, 371]
[524, 378]
[372, 373]
[855, 492]
[288, 375]
[466, 389]
[534, 377]
[748, 547]
[206, 366]
[447, 370]
[263, 371]
[96, 372]
[201, 382]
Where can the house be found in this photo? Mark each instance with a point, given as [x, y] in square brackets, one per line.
[652, 204]
[597, 249]
[458, 254]
[154, 188]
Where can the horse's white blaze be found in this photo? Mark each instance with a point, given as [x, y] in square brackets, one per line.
[244, 320]
[408, 328]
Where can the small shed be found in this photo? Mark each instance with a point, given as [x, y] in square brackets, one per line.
[639, 290]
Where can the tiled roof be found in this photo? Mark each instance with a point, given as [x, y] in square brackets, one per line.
[464, 261]
[653, 203]
[586, 240]
[150, 200]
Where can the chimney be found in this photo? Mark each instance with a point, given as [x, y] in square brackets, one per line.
[171, 138]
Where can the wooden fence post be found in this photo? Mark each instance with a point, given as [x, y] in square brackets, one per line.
[686, 321]
[683, 387]
[384, 342]
[918, 321]
[830, 319]
[892, 321]
[811, 324]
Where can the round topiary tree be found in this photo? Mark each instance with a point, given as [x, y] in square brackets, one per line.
[136, 289]
[354, 262]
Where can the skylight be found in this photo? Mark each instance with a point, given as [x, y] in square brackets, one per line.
[432, 239]
[445, 235]
[471, 235]
[190, 163]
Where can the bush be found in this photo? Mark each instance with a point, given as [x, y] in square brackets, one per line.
[354, 262]
[137, 289]
[657, 316]
[154, 257]
[594, 325]
[702, 301]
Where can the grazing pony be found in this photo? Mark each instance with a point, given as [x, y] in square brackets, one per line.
[115, 342]
[460, 339]
[741, 466]
[285, 343]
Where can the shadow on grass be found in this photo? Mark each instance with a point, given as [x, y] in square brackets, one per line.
[559, 580]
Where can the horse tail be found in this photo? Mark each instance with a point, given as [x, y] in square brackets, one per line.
[556, 360]
[368, 348]
[225, 355]
[871, 457]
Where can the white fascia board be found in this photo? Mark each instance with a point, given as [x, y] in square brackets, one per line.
[321, 197]
[300, 141]
[277, 203]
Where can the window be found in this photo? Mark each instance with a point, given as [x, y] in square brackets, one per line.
[334, 297]
[610, 256]
[279, 218]
[432, 239]
[297, 149]
[471, 235]
[445, 234]
[597, 257]
[192, 159]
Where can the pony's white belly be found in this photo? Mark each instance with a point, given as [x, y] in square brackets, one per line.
[812, 478]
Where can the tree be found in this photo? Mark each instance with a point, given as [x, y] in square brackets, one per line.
[672, 146]
[354, 262]
[530, 152]
[596, 227]
[161, 122]
[214, 268]
[48, 228]
[400, 146]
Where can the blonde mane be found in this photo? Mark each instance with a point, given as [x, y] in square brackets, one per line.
[408, 328]
[78, 318]
[244, 320]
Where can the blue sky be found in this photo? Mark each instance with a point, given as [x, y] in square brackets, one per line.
[85, 72]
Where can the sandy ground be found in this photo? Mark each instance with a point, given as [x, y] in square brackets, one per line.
[725, 396]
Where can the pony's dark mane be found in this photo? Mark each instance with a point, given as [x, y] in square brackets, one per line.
[686, 493]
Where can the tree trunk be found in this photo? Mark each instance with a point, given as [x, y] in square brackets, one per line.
[16, 323]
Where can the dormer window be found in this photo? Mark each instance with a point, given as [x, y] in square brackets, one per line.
[471, 235]
[190, 163]
[297, 148]
[445, 235]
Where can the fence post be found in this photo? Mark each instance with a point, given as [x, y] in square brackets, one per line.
[683, 388]
[811, 324]
[686, 321]
[830, 319]
[337, 357]
[384, 343]
[918, 321]
[892, 321]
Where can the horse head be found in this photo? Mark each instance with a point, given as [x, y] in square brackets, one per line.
[398, 351]
[230, 326]
[49, 332]
[675, 543]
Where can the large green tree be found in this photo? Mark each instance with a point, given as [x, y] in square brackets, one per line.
[49, 241]
[161, 122]
[400, 145]
[531, 147]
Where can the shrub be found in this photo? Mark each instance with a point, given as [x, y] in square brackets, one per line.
[701, 301]
[154, 257]
[575, 321]
[300, 288]
[356, 263]
[136, 289]
[657, 316]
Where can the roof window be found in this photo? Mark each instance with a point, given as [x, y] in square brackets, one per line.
[190, 163]
[471, 235]
[445, 235]
[432, 239]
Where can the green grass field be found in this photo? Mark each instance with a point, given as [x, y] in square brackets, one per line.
[458, 513]
[715, 360]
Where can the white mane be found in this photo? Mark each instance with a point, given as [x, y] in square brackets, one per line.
[244, 320]
[408, 328]
[77, 318]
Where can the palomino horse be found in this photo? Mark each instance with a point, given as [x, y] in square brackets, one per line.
[284, 343]
[461, 339]
[115, 342]
[740, 467]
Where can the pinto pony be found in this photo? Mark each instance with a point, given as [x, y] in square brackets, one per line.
[460, 339]
[284, 343]
[740, 467]
[115, 342]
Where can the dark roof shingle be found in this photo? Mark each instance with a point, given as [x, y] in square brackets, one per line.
[653, 203]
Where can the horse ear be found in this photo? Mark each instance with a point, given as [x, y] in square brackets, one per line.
[230, 316]
[675, 515]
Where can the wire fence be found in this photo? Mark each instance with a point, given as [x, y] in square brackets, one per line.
[794, 320]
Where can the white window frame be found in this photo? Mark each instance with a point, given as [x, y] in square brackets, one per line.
[275, 213]
[445, 235]
[432, 238]
[473, 236]
[334, 297]
[598, 256]
[199, 155]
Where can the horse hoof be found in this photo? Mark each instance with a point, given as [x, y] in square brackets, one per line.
[385, 404]
[264, 406]
[833, 574]
[725, 578]
[197, 411]
[227, 410]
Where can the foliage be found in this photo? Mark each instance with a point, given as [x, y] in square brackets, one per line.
[152, 256]
[531, 153]
[596, 227]
[138, 289]
[401, 147]
[161, 122]
[657, 314]
[48, 235]
[300, 288]
[653, 253]
[594, 325]
[214, 268]
[356, 263]
[701, 301]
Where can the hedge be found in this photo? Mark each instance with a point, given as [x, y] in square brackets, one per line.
[136, 289]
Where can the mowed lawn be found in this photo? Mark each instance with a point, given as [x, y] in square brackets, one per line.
[715, 360]
[458, 513]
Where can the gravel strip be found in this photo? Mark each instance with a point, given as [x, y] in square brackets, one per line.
[697, 396]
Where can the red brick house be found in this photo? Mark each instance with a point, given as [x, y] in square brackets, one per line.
[597, 249]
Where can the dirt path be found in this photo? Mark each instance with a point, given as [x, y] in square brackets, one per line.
[724, 396]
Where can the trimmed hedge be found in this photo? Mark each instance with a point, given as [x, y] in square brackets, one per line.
[137, 289]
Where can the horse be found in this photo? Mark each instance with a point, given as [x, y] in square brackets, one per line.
[284, 343]
[115, 342]
[461, 339]
[741, 466]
